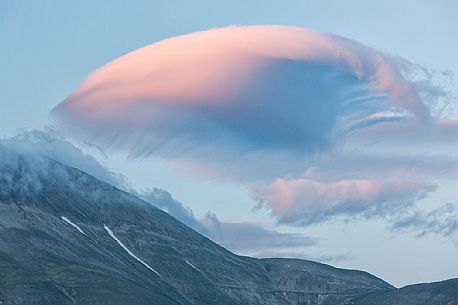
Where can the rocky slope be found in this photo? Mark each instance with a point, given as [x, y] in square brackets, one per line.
[68, 238]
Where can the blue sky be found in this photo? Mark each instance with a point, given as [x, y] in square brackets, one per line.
[48, 48]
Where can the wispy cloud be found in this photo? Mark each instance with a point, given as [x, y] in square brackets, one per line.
[304, 255]
[164, 200]
[246, 237]
[442, 220]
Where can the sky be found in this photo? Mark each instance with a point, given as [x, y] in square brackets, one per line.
[367, 185]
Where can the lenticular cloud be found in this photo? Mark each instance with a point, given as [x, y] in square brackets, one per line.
[240, 89]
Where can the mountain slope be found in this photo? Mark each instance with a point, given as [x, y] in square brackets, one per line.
[68, 238]
[440, 293]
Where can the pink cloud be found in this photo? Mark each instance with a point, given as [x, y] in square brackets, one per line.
[305, 201]
[246, 87]
[210, 66]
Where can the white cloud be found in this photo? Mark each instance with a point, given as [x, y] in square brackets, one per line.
[37, 146]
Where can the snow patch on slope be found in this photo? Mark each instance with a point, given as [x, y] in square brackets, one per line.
[68, 221]
[127, 250]
[191, 265]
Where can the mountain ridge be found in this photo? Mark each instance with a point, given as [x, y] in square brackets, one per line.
[56, 248]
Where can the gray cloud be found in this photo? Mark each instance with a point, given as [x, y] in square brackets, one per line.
[240, 237]
[442, 220]
[243, 237]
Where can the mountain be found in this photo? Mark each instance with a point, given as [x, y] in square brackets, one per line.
[440, 293]
[68, 238]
